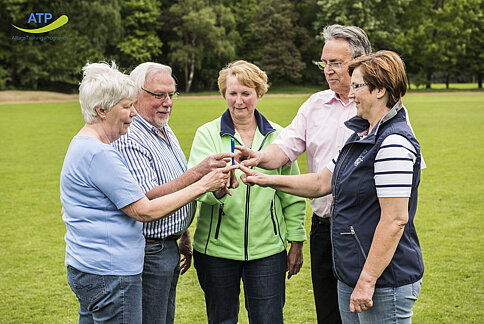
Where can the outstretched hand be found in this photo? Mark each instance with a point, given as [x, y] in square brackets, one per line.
[213, 162]
[218, 179]
[251, 177]
[232, 183]
[246, 156]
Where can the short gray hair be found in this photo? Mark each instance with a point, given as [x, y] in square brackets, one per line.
[103, 86]
[145, 70]
[355, 36]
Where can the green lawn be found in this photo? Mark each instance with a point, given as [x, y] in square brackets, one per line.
[33, 286]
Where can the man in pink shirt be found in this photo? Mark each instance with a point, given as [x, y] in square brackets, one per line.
[319, 129]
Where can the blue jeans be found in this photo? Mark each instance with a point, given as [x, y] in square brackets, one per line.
[106, 299]
[160, 276]
[390, 305]
[264, 287]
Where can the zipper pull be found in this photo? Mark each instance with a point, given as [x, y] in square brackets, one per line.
[351, 232]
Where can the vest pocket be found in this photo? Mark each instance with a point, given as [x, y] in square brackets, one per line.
[358, 242]
[219, 221]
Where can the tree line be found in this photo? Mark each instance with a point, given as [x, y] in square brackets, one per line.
[439, 40]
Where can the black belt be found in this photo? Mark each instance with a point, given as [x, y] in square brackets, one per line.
[321, 220]
[173, 237]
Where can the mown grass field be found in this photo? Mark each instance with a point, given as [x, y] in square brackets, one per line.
[35, 137]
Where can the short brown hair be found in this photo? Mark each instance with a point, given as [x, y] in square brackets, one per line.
[248, 74]
[383, 70]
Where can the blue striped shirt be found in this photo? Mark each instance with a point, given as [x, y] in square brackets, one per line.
[154, 160]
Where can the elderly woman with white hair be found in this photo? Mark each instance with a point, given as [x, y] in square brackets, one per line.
[103, 205]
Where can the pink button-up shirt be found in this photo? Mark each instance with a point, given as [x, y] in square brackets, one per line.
[318, 129]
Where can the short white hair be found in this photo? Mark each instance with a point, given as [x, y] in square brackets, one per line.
[103, 86]
[143, 71]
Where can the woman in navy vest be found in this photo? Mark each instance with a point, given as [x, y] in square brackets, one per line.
[374, 181]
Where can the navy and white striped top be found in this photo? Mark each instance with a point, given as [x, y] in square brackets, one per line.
[154, 160]
[393, 167]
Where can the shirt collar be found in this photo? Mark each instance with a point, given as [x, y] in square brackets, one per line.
[227, 125]
[147, 125]
[359, 125]
[333, 97]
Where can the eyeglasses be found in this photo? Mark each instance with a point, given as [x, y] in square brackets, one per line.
[357, 85]
[162, 95]
[335, 65]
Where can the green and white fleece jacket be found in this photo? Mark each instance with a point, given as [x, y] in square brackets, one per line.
[255, 222]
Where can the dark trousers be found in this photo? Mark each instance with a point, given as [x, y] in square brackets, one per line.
[324, 282]
[264, 287]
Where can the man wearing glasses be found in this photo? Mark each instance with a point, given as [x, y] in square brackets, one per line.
[156, 160]
[319, 129]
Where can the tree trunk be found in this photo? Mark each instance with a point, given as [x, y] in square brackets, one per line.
[479, 80]
[429, 79]
[447, 77]
[192, 72]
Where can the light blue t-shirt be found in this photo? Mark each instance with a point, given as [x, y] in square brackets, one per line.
[94, 185]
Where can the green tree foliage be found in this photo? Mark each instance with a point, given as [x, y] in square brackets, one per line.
[435, 36]
[278, 36]
[474, 22]
[140, 42]
[56, 64]
[204, 33]
[379, 18]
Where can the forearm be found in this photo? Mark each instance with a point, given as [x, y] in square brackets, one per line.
[272, 157]
[146, 210]
[189, 177]
[385, 242]
[303, 185]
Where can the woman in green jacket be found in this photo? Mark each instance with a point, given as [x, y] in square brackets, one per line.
[244, 235]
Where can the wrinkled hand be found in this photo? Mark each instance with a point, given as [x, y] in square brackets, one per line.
[361, 298]
[295, 259]
[218, 178]
[246, 156]
[251, 177]
[185, 247]
[214, 162]
[232, 183]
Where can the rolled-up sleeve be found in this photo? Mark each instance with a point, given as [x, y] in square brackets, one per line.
[292, 139]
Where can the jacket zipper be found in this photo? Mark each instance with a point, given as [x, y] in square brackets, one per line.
[220, 214]
[352, 232]
[247, 197]
[335, 175]
[272, 217]
[246, 229]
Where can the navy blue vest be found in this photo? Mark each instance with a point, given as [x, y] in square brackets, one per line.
[356, 211]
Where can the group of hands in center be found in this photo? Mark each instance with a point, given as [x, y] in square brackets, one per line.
[222, 177]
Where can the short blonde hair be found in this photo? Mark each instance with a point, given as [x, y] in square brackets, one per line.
[248, 74]
[383, 70]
